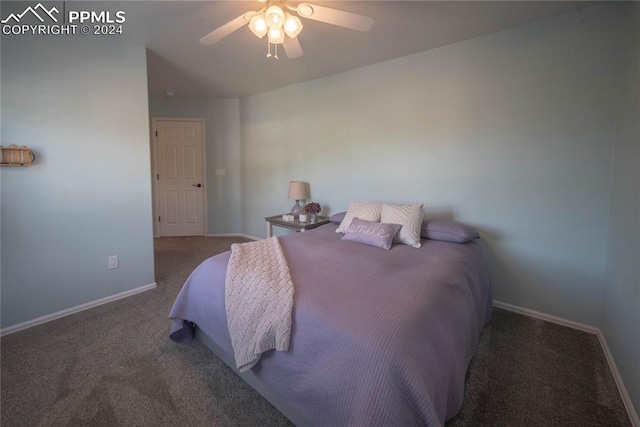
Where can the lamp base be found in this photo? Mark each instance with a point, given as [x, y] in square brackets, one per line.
[296, 209]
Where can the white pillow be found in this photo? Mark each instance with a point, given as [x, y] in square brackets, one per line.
[410, 217]
[364, 211]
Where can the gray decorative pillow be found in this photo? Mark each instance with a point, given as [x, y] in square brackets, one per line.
[371, 233]
[337, 217]
[448, 231]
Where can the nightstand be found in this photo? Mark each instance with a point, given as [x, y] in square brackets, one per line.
[277, 221]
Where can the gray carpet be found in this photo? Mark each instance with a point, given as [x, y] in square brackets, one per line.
[115, 365]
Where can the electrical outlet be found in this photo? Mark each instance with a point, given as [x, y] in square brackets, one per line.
[113, 262]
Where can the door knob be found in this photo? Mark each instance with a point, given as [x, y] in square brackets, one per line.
[197, 185]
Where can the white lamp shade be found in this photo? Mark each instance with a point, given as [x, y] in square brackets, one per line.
[258, 26]
[292, 25]
[274, 17]
[297, 190]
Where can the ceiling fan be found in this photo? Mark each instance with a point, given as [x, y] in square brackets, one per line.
[277, 19]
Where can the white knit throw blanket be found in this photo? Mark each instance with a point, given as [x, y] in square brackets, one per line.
[258, 300]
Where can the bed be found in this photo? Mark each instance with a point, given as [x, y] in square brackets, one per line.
[379, 337]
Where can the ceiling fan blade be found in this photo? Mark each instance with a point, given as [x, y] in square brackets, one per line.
[336, 17]
[292, 48]
[223, 31]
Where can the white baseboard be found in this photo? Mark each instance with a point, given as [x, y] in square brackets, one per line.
[250, 237]
[246, 236]
[547, 317]
[633, 415]
[626, 399]
[49, 317]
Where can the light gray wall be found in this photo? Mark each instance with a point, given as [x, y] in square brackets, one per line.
[81, 104]
[621, 302]
[222, 117]
[510, 132]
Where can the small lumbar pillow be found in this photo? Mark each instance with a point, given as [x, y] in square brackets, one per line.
[448, 231]
[410, 217]
[375, 234]
[364, 211]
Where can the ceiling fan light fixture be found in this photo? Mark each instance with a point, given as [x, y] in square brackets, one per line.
[276, 35]
[280, 22]
[258, 26]
[274, 17]
[292, 25]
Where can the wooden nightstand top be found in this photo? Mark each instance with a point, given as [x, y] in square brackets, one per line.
[293, 225]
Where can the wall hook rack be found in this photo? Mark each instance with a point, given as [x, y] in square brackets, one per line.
[16, 156]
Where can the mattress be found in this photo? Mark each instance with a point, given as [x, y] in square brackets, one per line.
[379, 337]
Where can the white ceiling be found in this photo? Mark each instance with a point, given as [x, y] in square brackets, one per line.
[237, 66]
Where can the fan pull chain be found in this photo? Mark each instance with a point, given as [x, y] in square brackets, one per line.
[275, 50]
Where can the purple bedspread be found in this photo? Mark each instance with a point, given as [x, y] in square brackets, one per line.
[378, 338]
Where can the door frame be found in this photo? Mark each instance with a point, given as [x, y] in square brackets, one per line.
[154, 171]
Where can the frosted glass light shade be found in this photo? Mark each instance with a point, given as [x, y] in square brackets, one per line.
[276, 35]
[274, 17]
[258, 26]
[292, 25]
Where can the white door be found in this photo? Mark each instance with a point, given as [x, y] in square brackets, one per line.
[179, 178]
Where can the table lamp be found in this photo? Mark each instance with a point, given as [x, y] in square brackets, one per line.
[297, 192]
